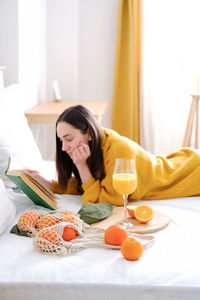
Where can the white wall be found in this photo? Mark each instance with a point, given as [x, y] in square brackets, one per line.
[72, 41]
[81, 48]
[9, 40]
[62, 47]
[32, 51]
[97, 39]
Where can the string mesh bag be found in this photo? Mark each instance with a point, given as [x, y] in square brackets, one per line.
[33, 221]
[49, 240]
[28, 221]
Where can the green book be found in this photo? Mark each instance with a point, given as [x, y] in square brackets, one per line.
[32, 187]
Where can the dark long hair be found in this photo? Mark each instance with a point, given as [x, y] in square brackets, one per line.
[79, 117]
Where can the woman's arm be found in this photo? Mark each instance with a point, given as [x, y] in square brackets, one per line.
[102, 190]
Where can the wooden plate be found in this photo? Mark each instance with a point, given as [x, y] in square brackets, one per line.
[159, 221]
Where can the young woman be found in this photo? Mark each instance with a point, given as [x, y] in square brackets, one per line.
[85, 157]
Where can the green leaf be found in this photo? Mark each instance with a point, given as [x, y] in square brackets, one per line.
[92, 213]
[17, 231]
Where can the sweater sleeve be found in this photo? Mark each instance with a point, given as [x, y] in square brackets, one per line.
[101, 191]
[72, 187]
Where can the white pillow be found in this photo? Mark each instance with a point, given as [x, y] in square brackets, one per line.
[16, 138]
[7, 208]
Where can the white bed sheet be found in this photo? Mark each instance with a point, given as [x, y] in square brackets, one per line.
[170, 269]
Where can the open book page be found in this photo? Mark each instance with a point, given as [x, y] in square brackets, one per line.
[14, 168]
[40, 185]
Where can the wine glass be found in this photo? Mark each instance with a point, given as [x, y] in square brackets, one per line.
[125, 182]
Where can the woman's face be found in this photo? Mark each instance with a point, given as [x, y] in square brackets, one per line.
[71, 137]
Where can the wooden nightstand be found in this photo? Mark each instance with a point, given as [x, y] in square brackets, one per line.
[49, 112]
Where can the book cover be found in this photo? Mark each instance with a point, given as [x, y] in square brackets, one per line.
[33, 188]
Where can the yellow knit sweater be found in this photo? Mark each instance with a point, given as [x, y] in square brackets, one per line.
[158, 177]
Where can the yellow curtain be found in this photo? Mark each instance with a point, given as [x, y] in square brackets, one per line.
[125, 118]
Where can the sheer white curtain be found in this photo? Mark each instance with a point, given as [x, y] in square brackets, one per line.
[169, 73]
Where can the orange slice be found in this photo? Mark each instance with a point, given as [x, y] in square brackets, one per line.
[143, 213]
[130, 210]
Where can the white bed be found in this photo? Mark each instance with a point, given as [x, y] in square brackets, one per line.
[169, 269]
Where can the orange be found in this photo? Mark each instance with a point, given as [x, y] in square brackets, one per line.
[49, 234]
[28, 219]
[71, 219]
[115, 235]
[143, 213]
[130, 210]
[46, 221]
[131, 249]
[69, 233]
[65, 212]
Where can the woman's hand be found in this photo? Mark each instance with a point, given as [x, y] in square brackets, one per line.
[37, 175]
[79, 157]
[81, 154]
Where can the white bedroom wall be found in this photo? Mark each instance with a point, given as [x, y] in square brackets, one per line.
[69, 41]
[23, 47]
[97, 39]
[62, 47]
[32, 51]
[81, 48]
[9, 40]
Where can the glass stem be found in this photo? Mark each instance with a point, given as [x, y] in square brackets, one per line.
[125, 206]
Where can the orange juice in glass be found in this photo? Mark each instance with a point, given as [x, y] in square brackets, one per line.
[125, 182]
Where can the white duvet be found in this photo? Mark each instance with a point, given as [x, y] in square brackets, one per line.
[169, 269]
